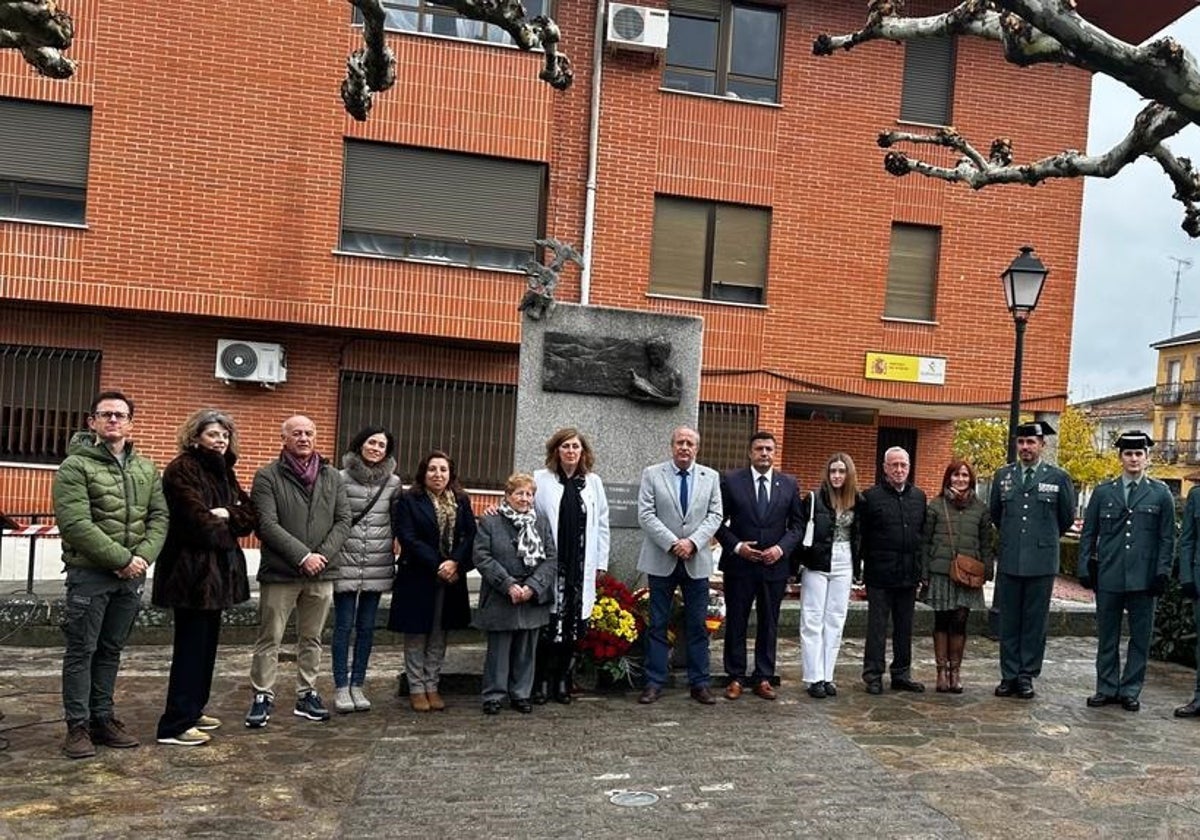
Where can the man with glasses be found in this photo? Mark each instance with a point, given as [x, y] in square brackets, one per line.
[112, 516]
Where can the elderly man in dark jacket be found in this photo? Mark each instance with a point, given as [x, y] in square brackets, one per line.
[303, 519]
[892, 516]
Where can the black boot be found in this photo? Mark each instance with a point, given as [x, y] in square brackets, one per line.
[564, 679]
[541, 679]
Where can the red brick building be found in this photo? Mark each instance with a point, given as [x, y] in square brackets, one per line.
[198, 181]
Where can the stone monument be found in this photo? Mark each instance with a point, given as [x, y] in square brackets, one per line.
[625, 379]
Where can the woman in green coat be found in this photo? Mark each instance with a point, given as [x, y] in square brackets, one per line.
[956, 522]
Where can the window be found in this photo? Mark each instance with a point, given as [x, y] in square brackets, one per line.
[912, 273]
[44, 398]
[423, 16]
[928, 89]
[473, 422]
[725, 430]
[43, 161]
[439, 206]
[703, 249]
[725, 49]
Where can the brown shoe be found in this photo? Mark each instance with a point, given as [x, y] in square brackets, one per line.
[650, 694]
[701, 694]
[419, 701]
[78, 743]
[764, 690]
[436, 703]
[110, 732]
[733, 691]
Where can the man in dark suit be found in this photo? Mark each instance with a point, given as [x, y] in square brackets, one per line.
[1032, 504]
[679, 510]
[1125, 554]
[893, 514]
[763, 525]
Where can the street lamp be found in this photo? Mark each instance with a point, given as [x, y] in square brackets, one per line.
[1023, 281]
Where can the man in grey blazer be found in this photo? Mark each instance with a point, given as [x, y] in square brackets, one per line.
[679, 510]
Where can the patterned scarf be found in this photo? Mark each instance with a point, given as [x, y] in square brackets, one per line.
[529, 541]
[446, 508]
[306, 472]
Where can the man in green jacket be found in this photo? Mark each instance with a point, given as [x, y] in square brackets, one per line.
[112, 516]
[1125, 554]
[303, 519]
[1032, 504]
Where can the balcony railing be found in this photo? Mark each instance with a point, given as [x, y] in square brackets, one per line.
[1191, 391]
[1170, 393]
[1177, 452]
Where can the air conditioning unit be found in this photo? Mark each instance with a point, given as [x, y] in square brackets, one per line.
[251, 361]
[637, 28]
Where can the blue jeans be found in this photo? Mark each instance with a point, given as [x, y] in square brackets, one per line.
[353, 610]
[695, 609]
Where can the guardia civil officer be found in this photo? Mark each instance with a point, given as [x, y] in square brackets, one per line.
[1189, 577]
[1032, 504]
[1125, 554]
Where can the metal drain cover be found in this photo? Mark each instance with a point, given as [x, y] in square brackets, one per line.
[633, 798]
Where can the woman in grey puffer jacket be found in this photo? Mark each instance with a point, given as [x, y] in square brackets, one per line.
[366, 565]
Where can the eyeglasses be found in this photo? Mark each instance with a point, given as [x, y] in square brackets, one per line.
[112, 415]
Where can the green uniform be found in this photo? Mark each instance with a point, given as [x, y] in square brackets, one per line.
[1189, 561]
[1030, 516]
[1125, 545]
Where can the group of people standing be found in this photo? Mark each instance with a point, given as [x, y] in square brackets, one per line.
[341, 539]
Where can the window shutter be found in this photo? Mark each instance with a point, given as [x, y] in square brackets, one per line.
[438, 195]
[44, 143]
[928, 80]
[678, 251]
[741, 242]
[912, 273]
[699, 8]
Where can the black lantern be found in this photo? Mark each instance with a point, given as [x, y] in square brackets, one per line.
[1023, 281]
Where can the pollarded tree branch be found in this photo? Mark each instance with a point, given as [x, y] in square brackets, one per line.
[41, 31]
[1037, 31]
[372, 68]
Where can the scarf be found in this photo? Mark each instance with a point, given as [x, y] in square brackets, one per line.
[961, 501]
[306, 472]
[529, 541]
[572, 526]
[446, 508]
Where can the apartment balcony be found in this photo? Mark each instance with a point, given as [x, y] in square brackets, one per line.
[1191, 391]
[1170, 393]
[1177, 452]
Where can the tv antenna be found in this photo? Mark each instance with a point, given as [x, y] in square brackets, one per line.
[1182, 264]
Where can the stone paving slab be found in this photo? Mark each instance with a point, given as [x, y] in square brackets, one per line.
[895, 766]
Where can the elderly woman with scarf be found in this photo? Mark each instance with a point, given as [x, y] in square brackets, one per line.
[956, 522]
[514, 554]
[436, 528]
[572, 499]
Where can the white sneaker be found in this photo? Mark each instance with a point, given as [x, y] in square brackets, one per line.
[191, 738]
[207, 722]
[342, 701]
[361, 703]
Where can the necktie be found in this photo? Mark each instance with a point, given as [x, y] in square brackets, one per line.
[683, 490]
[1029, 476]
[1130, 489]
[762, 494]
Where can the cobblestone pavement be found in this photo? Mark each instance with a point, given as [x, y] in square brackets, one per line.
[899, 765]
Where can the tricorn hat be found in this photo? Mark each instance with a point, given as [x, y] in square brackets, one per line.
[1038, 428]
[1133, 440]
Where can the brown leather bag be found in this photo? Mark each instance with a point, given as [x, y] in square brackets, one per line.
[966, 571]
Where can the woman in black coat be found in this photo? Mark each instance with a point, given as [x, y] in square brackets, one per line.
[201, 570]
[436, 528]
[831, 564]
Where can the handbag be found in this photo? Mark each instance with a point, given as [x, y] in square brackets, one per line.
[966, 571]
[808, 528]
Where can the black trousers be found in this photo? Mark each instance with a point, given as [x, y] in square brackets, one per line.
[885, 603]
[742, 592]
[193, 657]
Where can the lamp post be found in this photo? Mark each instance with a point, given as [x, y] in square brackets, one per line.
[1023, 281]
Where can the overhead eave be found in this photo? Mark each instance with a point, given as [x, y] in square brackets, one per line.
[1134, 22]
